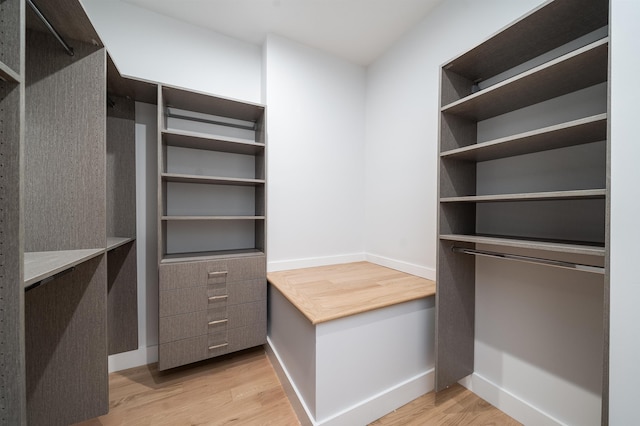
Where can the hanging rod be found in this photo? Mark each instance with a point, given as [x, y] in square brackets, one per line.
[49, 279]
[53, 31]
[529, 259]
[209, 121]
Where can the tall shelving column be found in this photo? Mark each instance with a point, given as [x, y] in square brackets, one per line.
[545, 55]
[211, 226]
[12, 383]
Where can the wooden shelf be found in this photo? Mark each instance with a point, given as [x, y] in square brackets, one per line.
[213, 217]
[521, 41]
[207, 104]
[7, 74]
[561, 247]
[195, 140]
[577, 132]
[176, 177]
[115, 242]
[41, 265]
[576, 70]
[210, 255]
[581, 194]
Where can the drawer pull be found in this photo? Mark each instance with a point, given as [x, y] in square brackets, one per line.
[221, 345]
[222, 321]
[212, 298]
[217, 274]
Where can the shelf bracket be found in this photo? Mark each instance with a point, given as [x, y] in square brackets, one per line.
[50, 278]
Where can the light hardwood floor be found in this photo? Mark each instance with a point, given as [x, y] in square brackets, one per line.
[243, 389]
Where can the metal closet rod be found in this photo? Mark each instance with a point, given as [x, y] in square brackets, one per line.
[529, 259]
[53, 31]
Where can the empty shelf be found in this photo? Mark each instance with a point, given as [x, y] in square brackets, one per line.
[576, 132]
[210, 255]
[530, 196]
[7, 74]
[177, 177]
[212, 217]
[576, 70]
[195, 140]
[115, 242]
[44, 264]
[562, 247]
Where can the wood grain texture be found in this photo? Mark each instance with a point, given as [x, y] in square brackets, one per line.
[64, 146]
[186, 139]
[12, 35]
[68, 18]
[330, 292]
[12, 367]
[121, 168]
[122, 299]
[130, 88]
[41, 265]
[66, 347]
[519, 42]
[560, 247]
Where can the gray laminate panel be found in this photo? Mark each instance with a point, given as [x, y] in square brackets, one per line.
[455, 315]
[194, 324]
[190, 299]
[530, 196]
[456, 132]
[210, 255]
[185, 139]
[122, 299]
[12, 369]
[137, 90]
[66, 347]
[457, 218]
[457, 178]
[64, 146]
[559, 22]
[454, 87]
[68, 18]
[577, 70]
[11, 30]
[121, 168]
[41, 265]
[195, 274]
[195, 349]
[211, 180]
[214, 105]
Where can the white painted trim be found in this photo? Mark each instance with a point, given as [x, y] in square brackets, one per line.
[131, 359]
[283, 265]
[293, 385]
[409, 268]
[383, 403]
[507, 402]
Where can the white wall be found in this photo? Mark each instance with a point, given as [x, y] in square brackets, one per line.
[150, 46]
[625, 204]
[315, 122]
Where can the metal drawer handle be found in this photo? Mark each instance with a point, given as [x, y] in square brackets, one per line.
[218, 321]
[212, 298]
[221, 345]
[217, 274]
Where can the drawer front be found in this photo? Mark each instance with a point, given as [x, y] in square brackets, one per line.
[194, 349]
[211, 321]
[202, 273]
[192, 299]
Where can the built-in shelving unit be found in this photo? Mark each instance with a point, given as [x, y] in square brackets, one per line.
[547, 55]
[211, 196]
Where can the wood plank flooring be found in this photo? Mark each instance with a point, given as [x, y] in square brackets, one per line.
[243, 389]
[325, 293]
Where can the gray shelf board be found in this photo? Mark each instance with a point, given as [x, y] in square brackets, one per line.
[531, 196]
[576, 70]
[127, 87]
[561, 247]
[582, 131]
[44, 264]
[195, 140]
[176, 177]
[213, 218]
[210, 255]
[9, 75]
[205, 103]
[521, 41]
[115, 242]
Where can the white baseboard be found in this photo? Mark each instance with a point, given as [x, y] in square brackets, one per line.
[309, 262]
[507, 402]
[131, 359]
[369, 409]
[409, 268]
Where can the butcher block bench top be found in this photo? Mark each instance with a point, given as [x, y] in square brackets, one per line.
[326, 293]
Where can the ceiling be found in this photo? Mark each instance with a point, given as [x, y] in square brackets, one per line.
[356, 30]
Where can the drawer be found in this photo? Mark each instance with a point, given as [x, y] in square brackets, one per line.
[211, 321]
[192, 299]
[181, 352]
[197, 274]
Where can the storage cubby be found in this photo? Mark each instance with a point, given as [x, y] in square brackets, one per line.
[523, 161]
